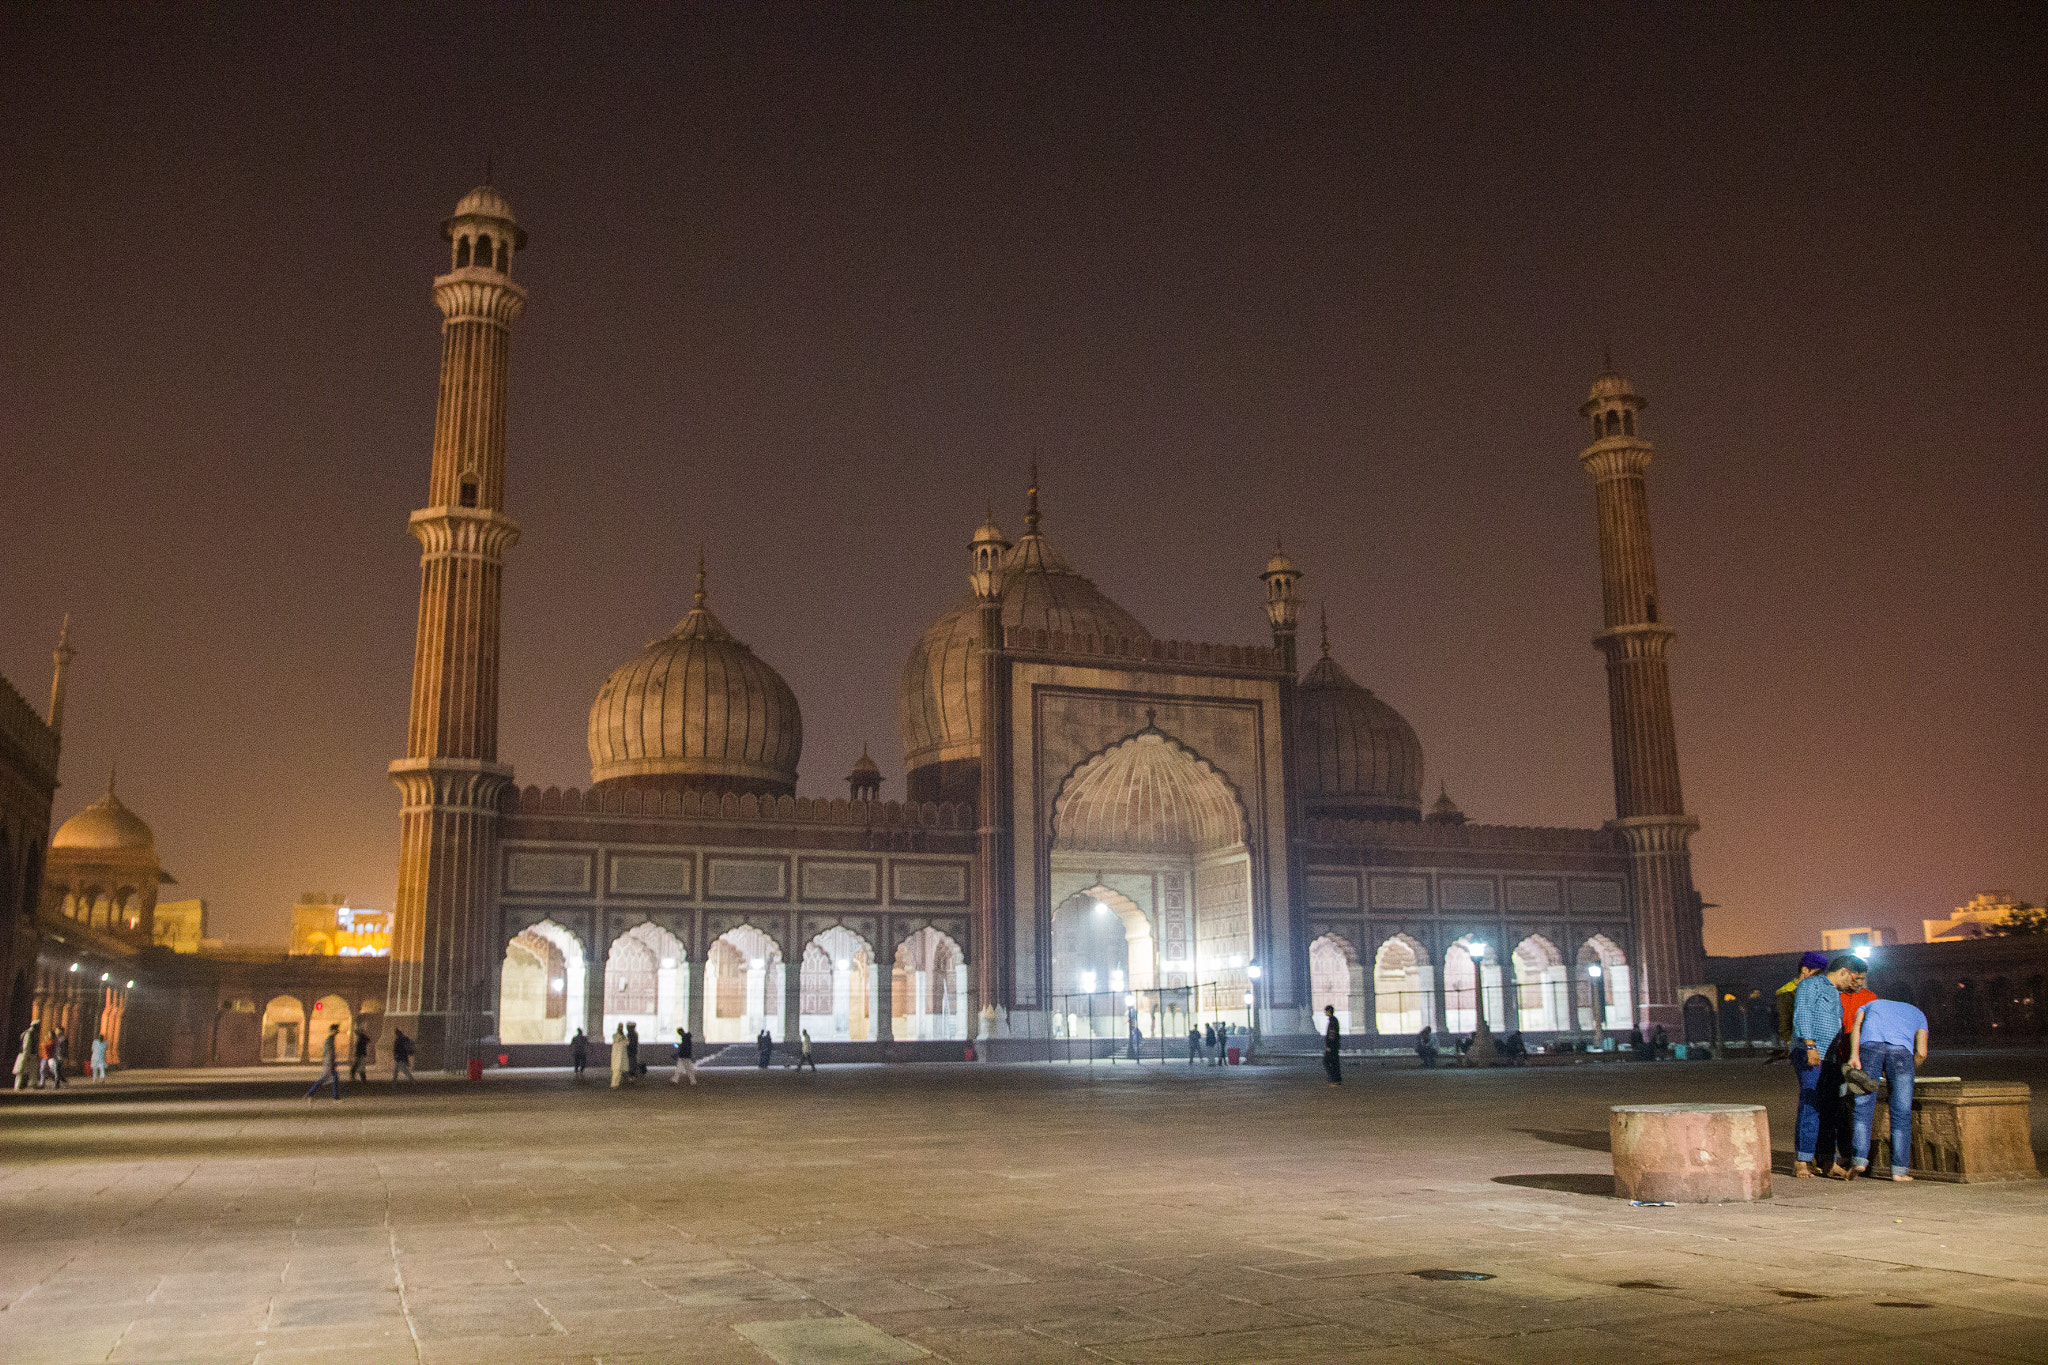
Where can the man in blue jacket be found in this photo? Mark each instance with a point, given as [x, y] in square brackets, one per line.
[1816, 1020]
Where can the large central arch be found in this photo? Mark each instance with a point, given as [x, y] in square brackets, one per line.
[1149, 833]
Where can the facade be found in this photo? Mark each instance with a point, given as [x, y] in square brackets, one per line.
[1973, 991]
[1855, 940]
[1976, 919]
[28, 783]
[181, 926]
[1102, 829]
[326, 925]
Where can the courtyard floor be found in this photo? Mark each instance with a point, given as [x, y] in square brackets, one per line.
[970, 1213]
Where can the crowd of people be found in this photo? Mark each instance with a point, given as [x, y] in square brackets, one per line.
[1845, 1044]
[45, 1054]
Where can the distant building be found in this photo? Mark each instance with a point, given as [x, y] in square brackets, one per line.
[1855, 940]
[327, 926]
[181, 927]
[1974, 920]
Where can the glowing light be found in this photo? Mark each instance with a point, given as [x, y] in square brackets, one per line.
[1237, 959]
[1087, 983]
[1247, 997]
[843, 965]
[1593, 970]
[105, 975]
[131, 983]
[1101, 907]
[1116, 979]
[74, 966]
[668, 962]
[557, 984]
[1255, 971]
[1475, 950]
[757, 964]
[1130, 1000]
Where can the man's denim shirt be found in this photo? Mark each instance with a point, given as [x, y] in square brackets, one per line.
[1817, 1010]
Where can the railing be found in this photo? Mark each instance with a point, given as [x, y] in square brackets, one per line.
[534, 800]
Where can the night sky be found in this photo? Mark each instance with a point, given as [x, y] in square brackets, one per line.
[811, 286]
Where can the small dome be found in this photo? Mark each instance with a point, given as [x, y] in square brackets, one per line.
[1444, 811]
[1357, 757]
[486, 202]
[1280, 563]
[865, 767]
[939, 706]
[106, 826]
[1609, 385]
[697, 709]
[989, 533]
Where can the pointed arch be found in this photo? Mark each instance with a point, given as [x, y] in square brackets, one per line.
[839, 989]
[646, 983]
[1147, 793]
[1542, 986]
[1336, 981]
[541, 985]
[743, 986]
[1603, 995]
[928, 987]
[1404, 986]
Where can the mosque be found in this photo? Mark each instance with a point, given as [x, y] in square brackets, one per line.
[1102, 828]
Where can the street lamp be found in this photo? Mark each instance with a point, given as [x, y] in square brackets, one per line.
[1477, 952]
[1599, 993]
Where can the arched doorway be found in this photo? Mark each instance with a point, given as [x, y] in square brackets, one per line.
[1542, 993]
[839, 988]
[646, 984]
[540, 988]
[928, 988]
[1336, 981]
[1149, 830]
[1403, 987]
[284, 1030]
[743, 987]
[1462, 987]
[331, 1010]
[1601, 985]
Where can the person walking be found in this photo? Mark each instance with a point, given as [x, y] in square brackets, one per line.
[618, 1054]
[99, 1057]
[330, 1065]
[765, 1043]
[401, 1056]
[63, 1053]
[686, 1065]
[633, 1069]
[1333, 1046]
[1194, 1046]
[803, 1055]
[1889, 1040]
[47, 1052]
[24, 1059]
[579, 1052]
[1816, 1019]
[1809, 963]
[359, 1056]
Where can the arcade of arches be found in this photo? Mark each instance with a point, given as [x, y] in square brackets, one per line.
[1401, 997]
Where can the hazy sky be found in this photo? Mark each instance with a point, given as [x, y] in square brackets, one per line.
[810, 285]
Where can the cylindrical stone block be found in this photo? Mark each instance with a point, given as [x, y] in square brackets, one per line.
[1691, 1153]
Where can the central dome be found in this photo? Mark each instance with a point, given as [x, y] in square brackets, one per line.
[697, 710]
[1357, 757]
[106, 826]
[939, 707]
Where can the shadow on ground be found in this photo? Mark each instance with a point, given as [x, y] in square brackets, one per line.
[1565, 1182]
[1585, 1139]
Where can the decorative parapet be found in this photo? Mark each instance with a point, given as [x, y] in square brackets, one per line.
[1421, 834]
[26, 731]
[802, 810]
[1132, 647]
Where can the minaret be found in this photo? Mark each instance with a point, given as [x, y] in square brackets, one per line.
[61, 657]
[992, 977]
[864, 783]
[1283, 606]
[444, 942]
[1649, 808]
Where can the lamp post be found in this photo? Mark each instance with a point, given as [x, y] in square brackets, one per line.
[1477, 952]
[1599, 993]
[1253, 971]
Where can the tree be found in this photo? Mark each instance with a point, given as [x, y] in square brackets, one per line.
[2025, 921]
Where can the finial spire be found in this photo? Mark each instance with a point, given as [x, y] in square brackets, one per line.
[61, 656]
[701, 594]
[1325, 613]
[1031, 501]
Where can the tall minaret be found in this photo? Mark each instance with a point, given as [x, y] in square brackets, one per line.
[443, 943]
[59, 677]
[1649, 808]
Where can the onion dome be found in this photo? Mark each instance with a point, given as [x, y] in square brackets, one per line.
[106, 826]
[1444, 811]
[485, 202]
[697, 710]
[939, 706]
[1357, 758]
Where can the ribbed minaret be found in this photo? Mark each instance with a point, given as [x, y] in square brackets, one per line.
[1649, 808]
[60, 658]
[444, 944]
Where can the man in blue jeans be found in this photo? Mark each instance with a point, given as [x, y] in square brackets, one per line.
[1888, 1040]
[1816, 1019]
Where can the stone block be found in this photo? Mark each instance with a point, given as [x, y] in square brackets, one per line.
[1971, 1131]
[1691, 1153]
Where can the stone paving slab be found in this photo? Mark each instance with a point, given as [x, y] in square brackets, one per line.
[957, 1213]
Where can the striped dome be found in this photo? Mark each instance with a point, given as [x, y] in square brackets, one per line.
[1147, 794]
[697, 709]
[939, 707]
[1356, 757]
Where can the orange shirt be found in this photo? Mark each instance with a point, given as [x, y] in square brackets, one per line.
[1853, 1001]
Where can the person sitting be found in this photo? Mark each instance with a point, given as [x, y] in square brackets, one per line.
[1515, 1049]
[1425, 1046]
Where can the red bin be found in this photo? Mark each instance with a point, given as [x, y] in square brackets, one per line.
[1233, 1056]
[476, 1068]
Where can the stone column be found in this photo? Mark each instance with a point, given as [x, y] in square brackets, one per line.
[693, 1002]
